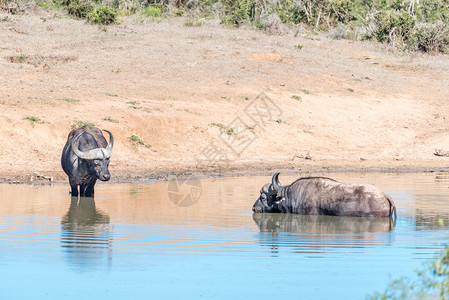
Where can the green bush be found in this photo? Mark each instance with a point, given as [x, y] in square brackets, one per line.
[322, 14]
[12, 6]
[431, 37]
[392, 23]
[193, 22]
[432, 11]
[48, 4]
[80, 8]
[103, 15]
[237, 12]
[422, 26]
[350, 10]
[152, 11]
[93, 11]
[178, 12]
[431, 283]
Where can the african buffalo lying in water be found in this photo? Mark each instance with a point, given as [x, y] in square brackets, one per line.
[85, 158]
[324, 196]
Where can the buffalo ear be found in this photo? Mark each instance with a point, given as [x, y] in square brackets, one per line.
[279, 200]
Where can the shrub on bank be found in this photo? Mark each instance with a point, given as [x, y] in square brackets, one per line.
[79, 8]
[93, 11]
[103, 15]
[411, 25]
[431, 37]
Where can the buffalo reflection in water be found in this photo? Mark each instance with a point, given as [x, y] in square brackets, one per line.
[86, 233]
[319, 234]
[329, 225]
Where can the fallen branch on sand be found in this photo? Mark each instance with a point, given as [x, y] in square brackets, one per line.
[439, 152]
[306, 156]
[40, 176]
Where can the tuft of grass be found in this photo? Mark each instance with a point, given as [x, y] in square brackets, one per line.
[306, 91]
[296, 97]
[33, 120]
[71, 100]
[230, 131]
[49, 5]
[22, 58]
[178, 12]
[77, 124]
[307, 131]
[299, 46]
[350, 90]
[133, 104]
[194, 22]
[111, 95]
[109, 119]
[223, 128]
[152, 11]
[136, 141]
[219, 125]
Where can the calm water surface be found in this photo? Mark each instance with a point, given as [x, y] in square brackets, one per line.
[146, 241]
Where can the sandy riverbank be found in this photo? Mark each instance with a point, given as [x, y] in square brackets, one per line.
[214, 100]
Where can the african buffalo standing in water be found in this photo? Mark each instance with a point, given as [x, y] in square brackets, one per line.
[324, 196]
[85, 158]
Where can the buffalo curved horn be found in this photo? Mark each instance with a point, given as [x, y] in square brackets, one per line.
[108, 149]
[97, 153]
[275, 183]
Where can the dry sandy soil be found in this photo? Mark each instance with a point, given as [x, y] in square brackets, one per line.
[349, 105]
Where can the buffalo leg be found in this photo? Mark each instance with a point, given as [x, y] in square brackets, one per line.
[88, 189]
[74, 187]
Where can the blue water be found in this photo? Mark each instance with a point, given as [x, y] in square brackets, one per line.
[133, 242]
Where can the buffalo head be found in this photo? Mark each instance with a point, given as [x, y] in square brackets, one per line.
[269, 199]
[97, 159]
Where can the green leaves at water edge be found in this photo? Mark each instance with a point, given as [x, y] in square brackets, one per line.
[432, 282]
